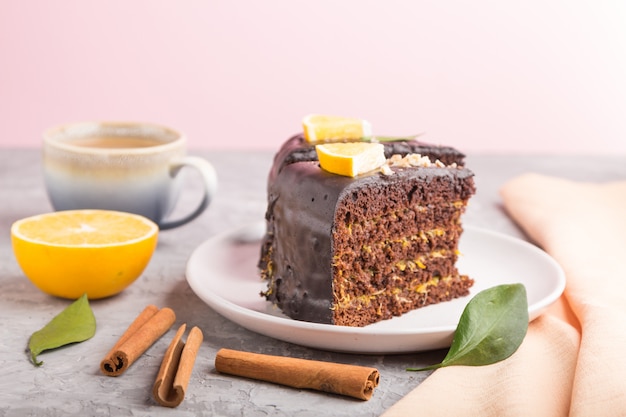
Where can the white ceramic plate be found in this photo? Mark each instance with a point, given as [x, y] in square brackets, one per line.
[223, 273]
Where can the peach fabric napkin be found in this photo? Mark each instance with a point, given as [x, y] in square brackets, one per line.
[573, 359]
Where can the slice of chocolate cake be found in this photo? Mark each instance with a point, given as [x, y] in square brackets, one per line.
[354, 251]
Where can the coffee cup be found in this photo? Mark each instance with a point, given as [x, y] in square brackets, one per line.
[122, 166]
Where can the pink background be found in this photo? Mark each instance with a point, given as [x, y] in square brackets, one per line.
[485, 76]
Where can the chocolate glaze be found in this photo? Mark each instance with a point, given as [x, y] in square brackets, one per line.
[297, 149]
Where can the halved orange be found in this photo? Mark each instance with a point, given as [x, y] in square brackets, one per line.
[322, 128]
[97, 252]
[352, 158]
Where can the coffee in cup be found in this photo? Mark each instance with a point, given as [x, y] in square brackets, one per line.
[123, 166]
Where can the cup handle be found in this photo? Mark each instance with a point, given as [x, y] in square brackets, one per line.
[209, 178]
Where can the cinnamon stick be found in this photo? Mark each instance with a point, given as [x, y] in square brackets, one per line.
[146, 329]
[173, 377]
[351, 380]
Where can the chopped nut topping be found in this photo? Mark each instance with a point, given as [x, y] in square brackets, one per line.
[386, 170]
[411, 160]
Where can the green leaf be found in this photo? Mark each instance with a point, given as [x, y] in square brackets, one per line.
[390, 138]
[76, 323]
[491, 328]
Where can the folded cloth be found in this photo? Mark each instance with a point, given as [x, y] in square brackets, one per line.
[573, 360]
